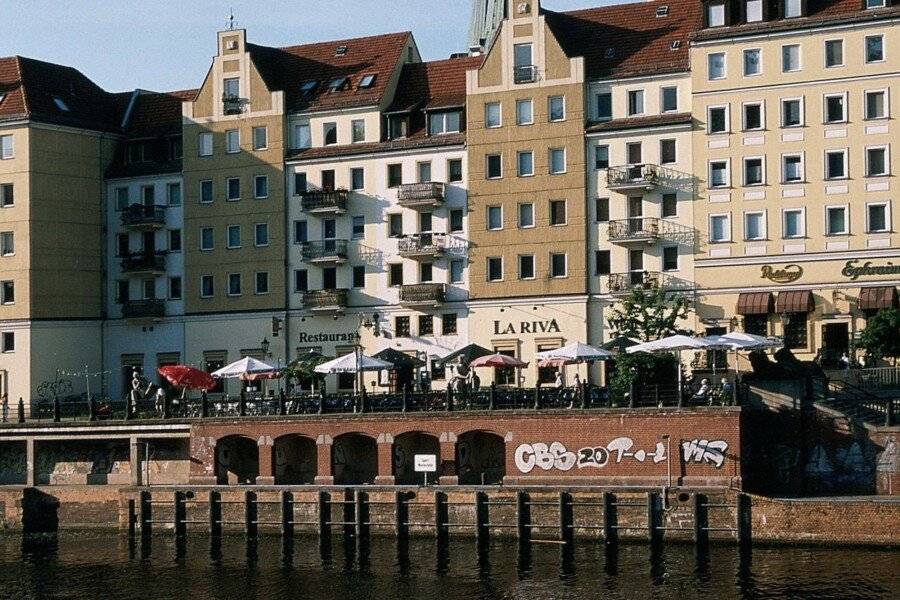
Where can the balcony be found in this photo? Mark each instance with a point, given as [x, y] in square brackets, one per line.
[232, 105]
[423, 294]
[325, 300]
[421, 196]
[623, 283]
[525, 74]
[143, 309]
[144, 263]
[145, 218]
[424, 246]
[625, 178]
[324, 201]
[331, 252]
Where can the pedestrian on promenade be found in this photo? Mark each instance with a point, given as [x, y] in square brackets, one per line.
[476, 381]
[5, 408]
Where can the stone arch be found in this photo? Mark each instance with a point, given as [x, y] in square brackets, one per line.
[480, 458]
[237, 460]
[294, 460]
[354, 459]
[406, 446]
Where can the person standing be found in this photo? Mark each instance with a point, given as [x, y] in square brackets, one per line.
[5, 408]
[476, 381]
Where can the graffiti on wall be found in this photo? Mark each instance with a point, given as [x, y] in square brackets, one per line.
[555, 456]
[12, 464]
[844, 468]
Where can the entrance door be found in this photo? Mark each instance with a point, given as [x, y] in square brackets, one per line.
[835, 342]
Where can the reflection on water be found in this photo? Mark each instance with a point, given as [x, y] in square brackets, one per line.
[82, 565]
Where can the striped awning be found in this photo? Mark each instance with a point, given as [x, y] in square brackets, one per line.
[754, 303]
[874, 298]
[798, 301]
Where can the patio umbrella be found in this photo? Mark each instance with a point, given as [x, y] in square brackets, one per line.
[498, 361]
[187, 377]
[261, 376]
[246, 366]
[619, 344]
[398, 359]
[349, 364]
[673, 343]
[464, 355]
[740, 341]
[575, 353]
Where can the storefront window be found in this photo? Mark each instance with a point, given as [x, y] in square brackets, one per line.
[795, 331]
[756, 324]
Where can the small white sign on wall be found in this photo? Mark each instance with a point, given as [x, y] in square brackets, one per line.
[425, 463]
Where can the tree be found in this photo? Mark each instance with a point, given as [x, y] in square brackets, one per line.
[647, 315]
[880, 337]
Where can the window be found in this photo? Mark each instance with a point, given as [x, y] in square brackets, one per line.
[299, 183]
[875, 3]
[301, 230]
[558, 265]
[635, 102]
[792, 168]
[557, 212]
[6, 195]
[753, 119]
[367, 81]
[395, 274]
[877, 218]
[790, 58]
[456, 220]
[261, 186]
[174, 288]
[122, 200]
[791, 113]
[233, 188]
[7, 244]
[448, 324]
[526, 215]
[261, 234]
[754, 11]
[753, 171]
[207, 286]
[834, 53]
[836, 220]
[9, 342]
[397, 127]
[395, 175]
[358, 227]
[670, 258]
[524, 112]
[793, 8]
[526, 267]
[874, 48]
[357, 130]
[717, 120]
[492, 115]
[557, 161]
[401, 326]
[456, 271]
[423, 172]
[795, 331]
[495, 269]
[234, 236]
[173, 194]
[444, 122]
[122, 291]
[174, 240]
[876, 105]
[329, 133]
[793, 226]
[426, 272]
[6, 147]
[359, 276]
[601, 210]
[876, 162]
[232, 141]
[604, 106]
[835, 108]
[260, 138]
[395, 225]
[206, 238]
[602, 264]
[715, 14]
[302, 136]
[426, 325]
[122, 246]
[719, 228]
[752, 63]
[205, 144]
[754, 226]
[669, 99]
[557, 109]
[835, 164]
[669, 205]
[261, 282]
[716, 65]
[454, 170]
[601, 157]
[338, 83]
[525, 163]
[522, 55]
[232, 87]
[7, 292]
[301, 280]
[667, 152]
[234, 284]
[718, 173]
[494, 218]
[493, 166]
[357, 178]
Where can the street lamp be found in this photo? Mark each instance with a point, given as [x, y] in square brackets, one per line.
[366, 322]
[264, 344]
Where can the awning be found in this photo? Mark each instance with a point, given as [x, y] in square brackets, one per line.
[754, 303]
[795, 302]
[874, 298]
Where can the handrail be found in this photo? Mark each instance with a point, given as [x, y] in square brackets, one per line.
[144, 261]
[324, 249]
[647, 280]
[136, 309]
[422, 242]
[424, 191]
[324, 199]
[525, 74]
[140, 214]
[423, 292]
[324, 298]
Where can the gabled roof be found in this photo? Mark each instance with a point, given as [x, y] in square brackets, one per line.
[433, 85]
[38, 91]
[627, 40]
[288, 68]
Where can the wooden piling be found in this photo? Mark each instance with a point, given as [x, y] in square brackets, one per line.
[359, 514]
[441, 516]
[324, 516]
[146, 514]
[401, 515]
[701, 519]
[523, 516]
[744, 521]
[215, 514]
[251, 515]
[287, 515]
[180, 514]
[610, 518]
[654, 517]
[566, 518]
[482, 525]
[132, 518]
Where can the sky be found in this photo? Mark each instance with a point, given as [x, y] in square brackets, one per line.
[168, 44]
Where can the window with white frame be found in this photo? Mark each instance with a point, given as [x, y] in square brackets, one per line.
[874, 48]
[790, 58]
[261, 234]
[715, 14]
[876, 161]
[7, 244]
[526, 266]
[524, 112]
[233, 188]
[720, 228]
[753, 116]
[232, 141]
[836, 222]
[233, 237]
[876, 104]
[878, 217]
[557, 108]
[207, 286]
[669, 99]
[261, 186]
[754, 11]
[494, 218]
[835, 164]
[557, 161]
[603, 106]
[754, 171]
[793, 8]
[207, 238]
[206, 191]
[835, 108]
[8, 343]
[526, 215]
[302, 136]
[7, 195]
[752, 62]
[718, 173]
[791, 168]
[668, 152]
[558, 265]
[670, 258]
[875, 4]
[495, 268]
[205, 144]
[492, 116]
[525, 163]
[754, 225]
[793, 223]
[717, 119]
[493, 166]
[834, 53]
[260, 138]
[791, 112]
[444, 122]
[716, 65]
[234, 284]
[635, 102]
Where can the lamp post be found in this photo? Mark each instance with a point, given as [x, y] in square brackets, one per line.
[364, 322]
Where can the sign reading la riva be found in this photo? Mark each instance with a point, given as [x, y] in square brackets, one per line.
[854, 270]
[550, 326]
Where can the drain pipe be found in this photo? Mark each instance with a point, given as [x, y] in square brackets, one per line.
[665, 489]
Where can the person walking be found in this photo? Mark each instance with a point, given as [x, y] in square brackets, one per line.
[5, 408]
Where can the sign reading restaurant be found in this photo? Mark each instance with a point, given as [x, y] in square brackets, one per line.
[788, 274]
[854, 271]
[311, 338]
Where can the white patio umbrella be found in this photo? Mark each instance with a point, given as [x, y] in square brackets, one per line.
[673, 343]
[349, 364]
[575, 352]
[245, 366]
[738, 341]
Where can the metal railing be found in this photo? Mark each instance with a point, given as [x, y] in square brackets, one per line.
[324, 200]
[423, 293]
[887, 378]
[143, 309]
[634, 229]
[324, 299]
[422, 243]
[415, 194]
[623, 283]
[143, 262]
[232, 105]
[525, 74]
[325, 249]
[856, 402]
[141, 215]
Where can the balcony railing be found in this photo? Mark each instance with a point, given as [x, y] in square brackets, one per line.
[624, 283]
[426, 195]
[423, 245]
[325, 300]
[632, 177]
[144, 262]
[423, 294]
[143, 309]
[232, 105]
[140, 216]
[634, 229]
[324, 201]
[325, 251]
[525, 74]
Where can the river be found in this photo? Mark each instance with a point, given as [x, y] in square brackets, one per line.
[102, 565]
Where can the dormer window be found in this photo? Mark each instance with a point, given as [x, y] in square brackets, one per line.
[2, 98]
[307, 86]
[341, 51]
[60, 104]
[715, 14]
[397, 126]
[443, 122]
[337, 84]
[662, 11]
[754, 12]
[875, 3]
[366, 82]
[675, 45]
[793, 8]
[610, 53]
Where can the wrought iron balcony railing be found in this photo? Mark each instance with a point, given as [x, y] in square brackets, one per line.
[422, 245]
[143, 309]
[525, 74]
[332, 251]
[430, 294]
[144, 262]
[140, 216]
[324, 201]
[631, 177]
[232, 105]
[634, 229]
[325, 300]
[421, 195]
[624, 283]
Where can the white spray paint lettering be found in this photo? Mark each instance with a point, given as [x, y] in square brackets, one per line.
[700, 451]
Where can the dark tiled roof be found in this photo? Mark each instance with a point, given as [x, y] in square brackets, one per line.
[435, 84]
[639, 122]
[31, 85]
[640, 41]
[157, 113]
[288, 68]
[414, 142]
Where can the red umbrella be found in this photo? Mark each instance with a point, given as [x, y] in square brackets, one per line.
[187, 377]
[499, 361]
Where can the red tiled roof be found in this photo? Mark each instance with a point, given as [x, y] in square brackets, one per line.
[435, 84]
[31, 86]
[413, 142]
[638, 122]
[288, 68]
[641, 41]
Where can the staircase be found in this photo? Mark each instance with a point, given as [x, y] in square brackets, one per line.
[855, 402]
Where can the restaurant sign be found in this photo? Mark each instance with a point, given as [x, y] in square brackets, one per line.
[788, 274]
[550, 326]
[854, 270]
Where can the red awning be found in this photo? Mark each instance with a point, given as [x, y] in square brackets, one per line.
[795, 302]
[875, 298]
[754, 303]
